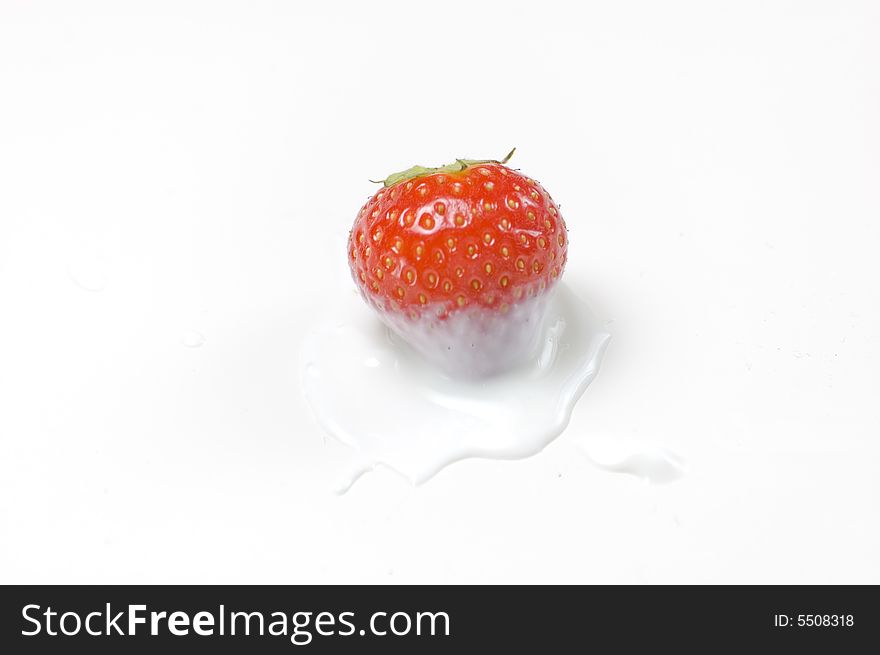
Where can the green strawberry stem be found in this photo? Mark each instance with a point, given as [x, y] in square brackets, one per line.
[455, 167]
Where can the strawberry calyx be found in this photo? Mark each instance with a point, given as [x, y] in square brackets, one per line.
[457, 166]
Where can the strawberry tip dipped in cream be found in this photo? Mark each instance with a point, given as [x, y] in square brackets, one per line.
[481, 351]
[460, 261]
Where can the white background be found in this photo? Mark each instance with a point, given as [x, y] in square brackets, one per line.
[195, 166]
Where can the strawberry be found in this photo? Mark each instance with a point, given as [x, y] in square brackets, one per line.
[459, 261]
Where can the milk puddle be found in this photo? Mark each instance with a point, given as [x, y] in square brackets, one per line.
[371, 392]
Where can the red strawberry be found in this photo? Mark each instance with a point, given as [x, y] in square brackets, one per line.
[459, 260]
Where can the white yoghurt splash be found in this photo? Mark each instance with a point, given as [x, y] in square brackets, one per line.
[375, 394]
[647, 461]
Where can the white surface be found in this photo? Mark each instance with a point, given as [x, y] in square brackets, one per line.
[185, 169]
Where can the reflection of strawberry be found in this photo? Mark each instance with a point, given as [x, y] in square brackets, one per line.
[458, 258]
